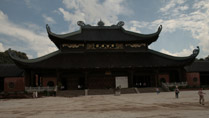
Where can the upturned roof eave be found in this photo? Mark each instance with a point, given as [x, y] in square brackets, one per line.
[145, 36]
[190, 57]
[35, 60]
[58, 38]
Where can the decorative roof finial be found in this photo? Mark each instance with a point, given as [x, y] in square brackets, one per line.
[120, 23]
[196, 51]
[81, 23]
[100, 23]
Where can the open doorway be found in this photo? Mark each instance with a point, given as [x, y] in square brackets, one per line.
[141, 81]
[1, 84]
[204, 79]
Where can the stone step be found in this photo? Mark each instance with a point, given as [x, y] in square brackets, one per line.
[148, 89]
[75, 93]
[71, 93]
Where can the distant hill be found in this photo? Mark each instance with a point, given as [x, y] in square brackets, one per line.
[5, 59]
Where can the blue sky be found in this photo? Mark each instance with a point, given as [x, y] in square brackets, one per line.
[185, 22]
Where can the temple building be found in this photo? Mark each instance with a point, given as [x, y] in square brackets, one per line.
[103, 57]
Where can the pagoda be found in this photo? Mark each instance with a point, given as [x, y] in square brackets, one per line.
[103, 57]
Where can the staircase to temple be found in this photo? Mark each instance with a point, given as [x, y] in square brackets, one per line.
[76, 93]
[100, 91]
[149, 90]
[71, 93]
[110, 91]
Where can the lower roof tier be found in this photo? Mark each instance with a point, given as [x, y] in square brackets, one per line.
[109, 60]
[198, 66]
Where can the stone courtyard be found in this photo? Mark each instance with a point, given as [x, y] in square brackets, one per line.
[142, 105]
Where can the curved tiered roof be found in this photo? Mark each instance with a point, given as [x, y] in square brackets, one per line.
[101, 33]
[104, 60]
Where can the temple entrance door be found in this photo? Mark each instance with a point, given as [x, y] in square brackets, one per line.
[64, 83]
[81, 83]
[1, 84]
[174, 76]
[101, 82]
[141, 81]
[204, 79]
[121, 81]
[72, 83]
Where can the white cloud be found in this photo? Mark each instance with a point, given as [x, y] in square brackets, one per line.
[2, 49]
[178, 16]
[48, 19]
[28, 3]
[90, 11]
[3, 17]
[38, 42]
[196, 21]
[172, 5]
[184, 52]
[135, 26]
[32, 5]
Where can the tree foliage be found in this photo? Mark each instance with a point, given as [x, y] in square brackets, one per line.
[207, 58]
[5, 58]
[204, 59]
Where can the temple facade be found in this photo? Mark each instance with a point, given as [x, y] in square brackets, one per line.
[103, 57]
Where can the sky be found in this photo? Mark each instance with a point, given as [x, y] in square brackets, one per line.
[185, 22]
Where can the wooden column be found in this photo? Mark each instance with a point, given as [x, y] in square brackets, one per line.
[32, 79]
[86, 80]
[180, 75]
[156, 77]
[27, 78]
[39, 80]
[58, 77]
[130, 79]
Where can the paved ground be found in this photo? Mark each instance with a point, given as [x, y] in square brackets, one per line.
[144, 105]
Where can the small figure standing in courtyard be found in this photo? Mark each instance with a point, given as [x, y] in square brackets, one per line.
[35, 94]
[201, 96]
[118, 90]
[177, 92]
[55, 91]
[157, 91]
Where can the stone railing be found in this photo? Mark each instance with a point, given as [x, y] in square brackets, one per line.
[165, 87]
[174, 84]
[39, 89]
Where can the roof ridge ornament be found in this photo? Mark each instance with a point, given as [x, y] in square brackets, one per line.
[48, 28]
[160, 28]
[120, 24]
[196, 51]
[81, 23]
[100, 23]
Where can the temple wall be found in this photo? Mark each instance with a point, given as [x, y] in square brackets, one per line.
[72, 83]
[14, 84]
[101, 82]
[46, 80]
[163, 76]
[193, 79]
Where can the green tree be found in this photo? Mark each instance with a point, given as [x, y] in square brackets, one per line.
[5, 58]
[207, 58]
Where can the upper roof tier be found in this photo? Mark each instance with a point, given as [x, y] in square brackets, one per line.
[101, 33]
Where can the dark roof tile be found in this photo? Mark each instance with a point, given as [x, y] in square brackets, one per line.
[10, 70]
[198, 66]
